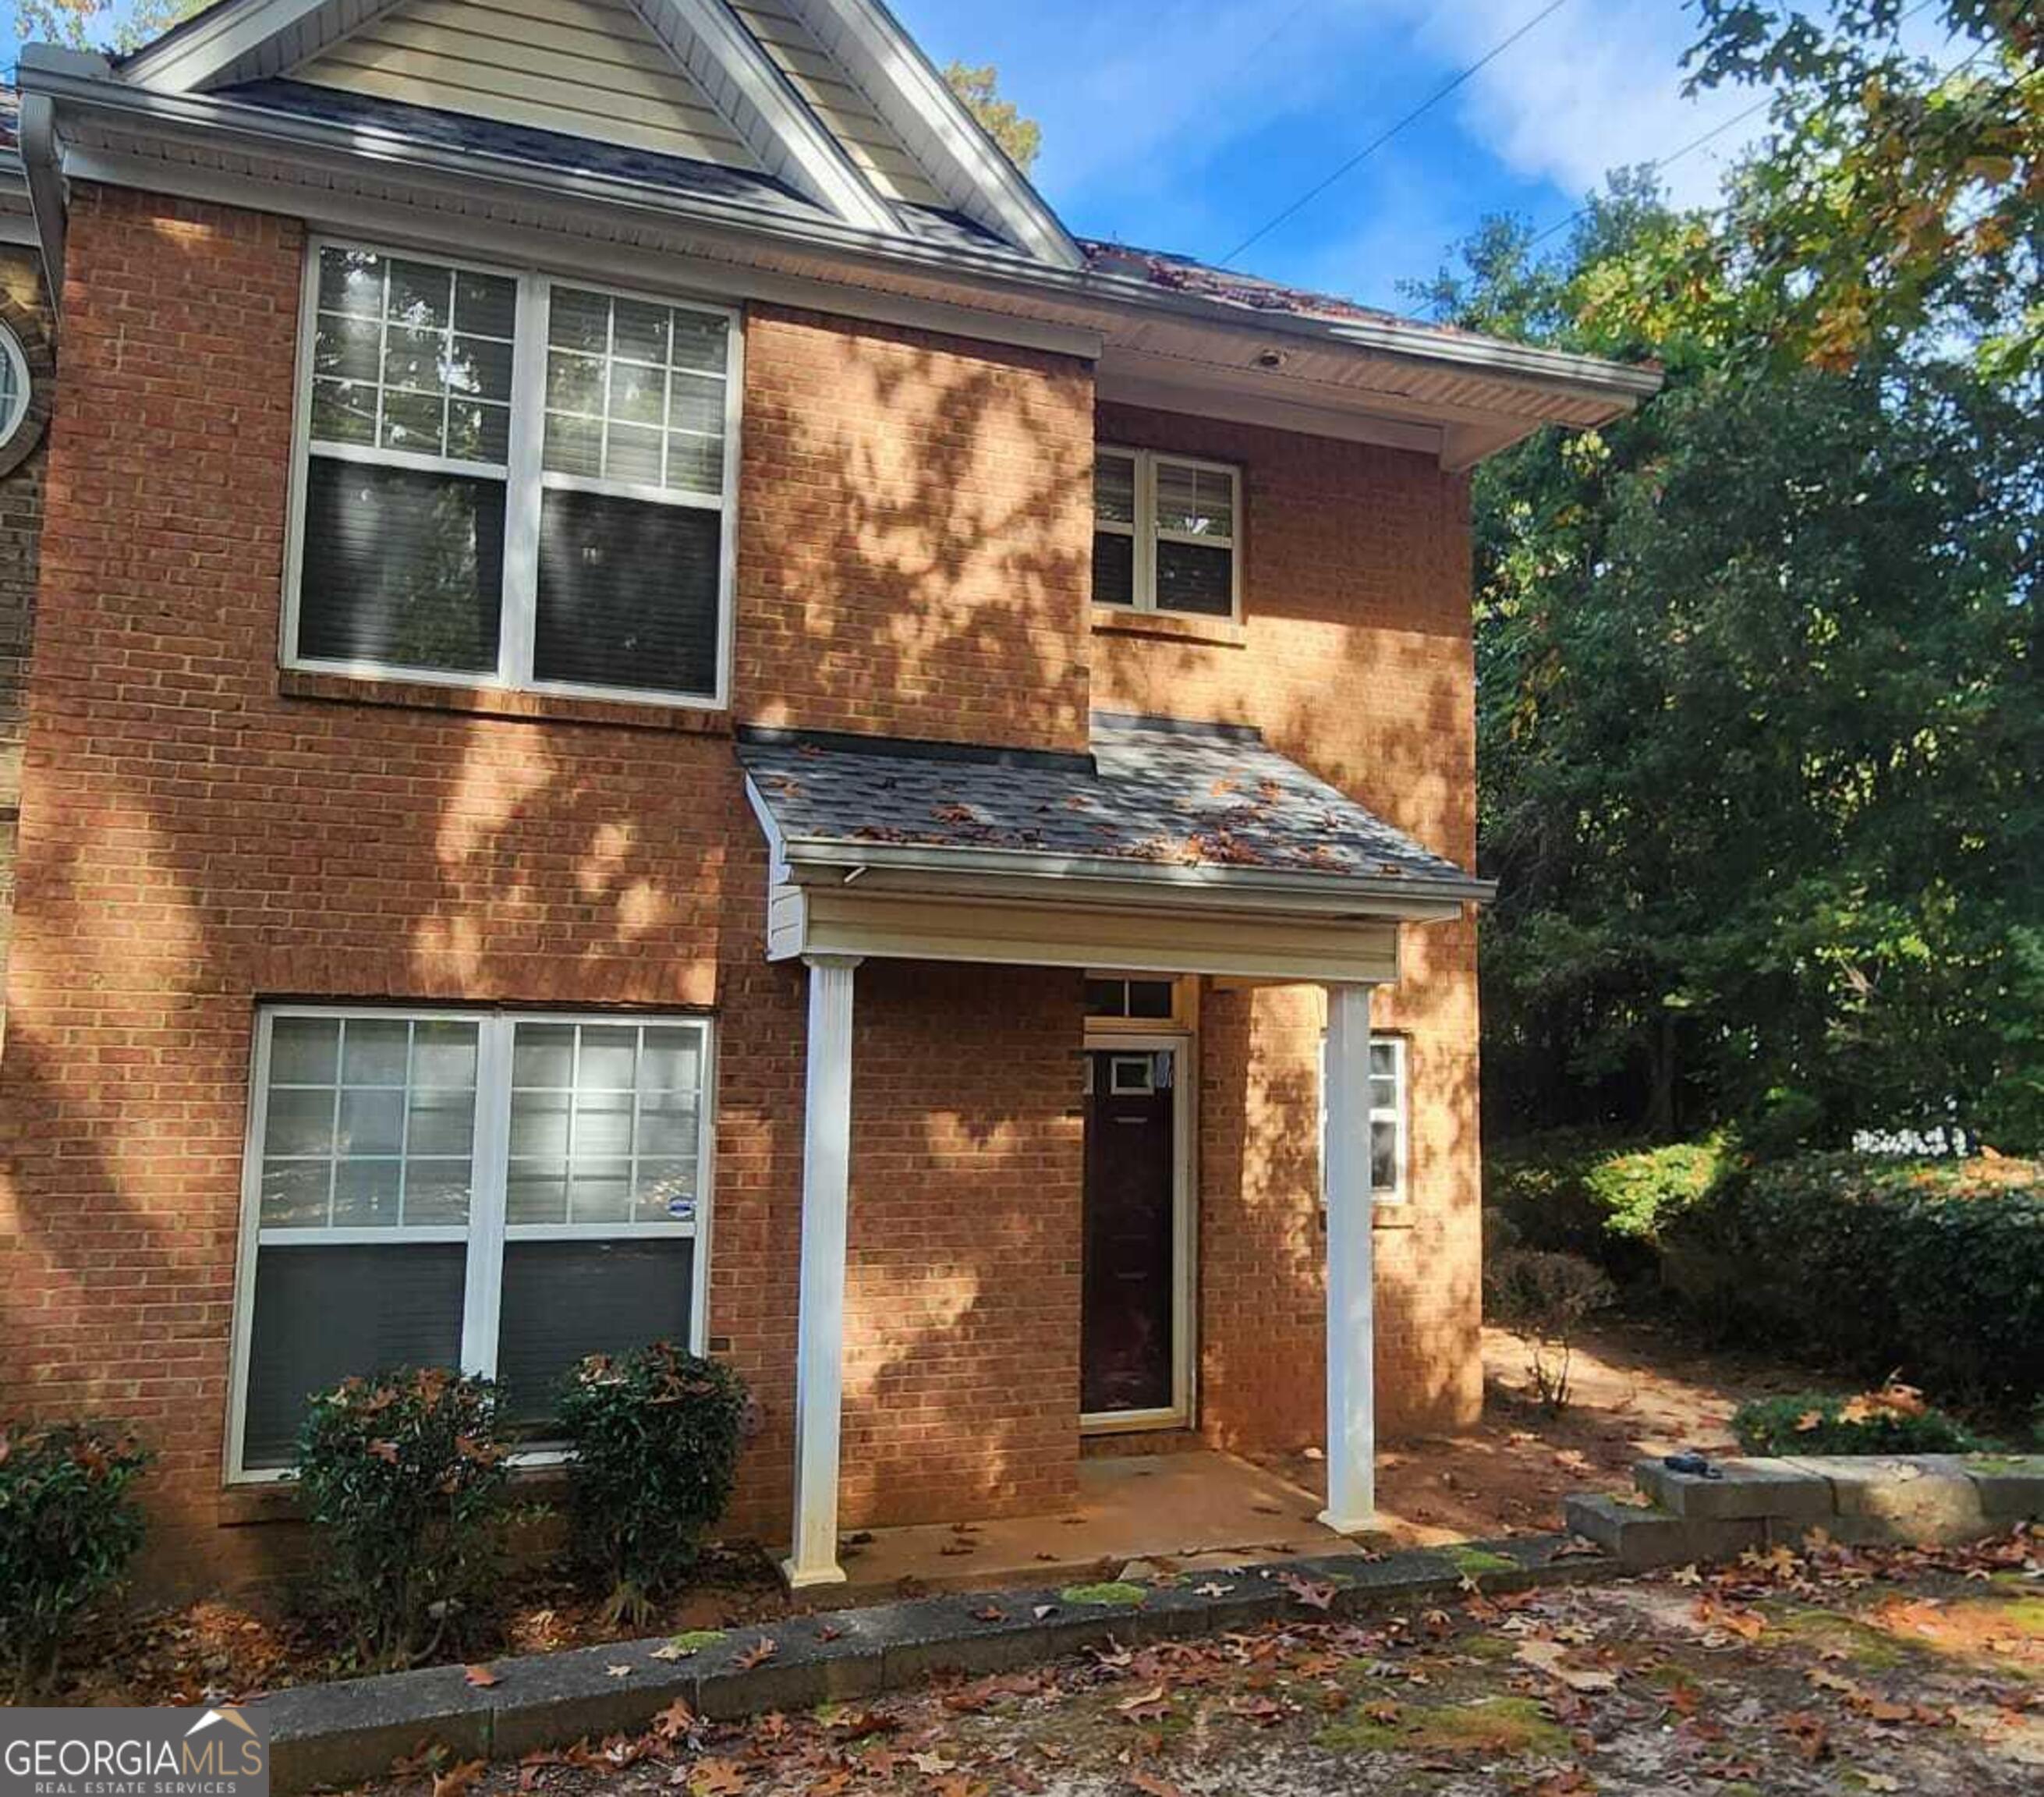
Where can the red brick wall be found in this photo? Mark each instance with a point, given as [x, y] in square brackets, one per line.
[1354, 659]
[199, 833]
[916, 543]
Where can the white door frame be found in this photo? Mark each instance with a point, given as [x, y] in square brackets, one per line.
[1178, 1413]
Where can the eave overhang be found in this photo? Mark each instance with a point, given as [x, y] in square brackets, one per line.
[1455, 396]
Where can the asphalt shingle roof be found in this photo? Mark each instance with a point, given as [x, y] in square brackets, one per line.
[1154, 791]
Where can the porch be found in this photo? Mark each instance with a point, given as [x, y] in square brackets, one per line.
[1193, 1509]
[1171, 849]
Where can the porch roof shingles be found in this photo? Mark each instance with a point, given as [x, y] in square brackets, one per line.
[1154, 791]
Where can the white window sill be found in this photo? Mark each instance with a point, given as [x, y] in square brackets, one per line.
[502, 701]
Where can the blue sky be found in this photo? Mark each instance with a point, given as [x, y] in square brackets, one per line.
[1185, 124]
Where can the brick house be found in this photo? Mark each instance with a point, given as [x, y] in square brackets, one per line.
[658, 708]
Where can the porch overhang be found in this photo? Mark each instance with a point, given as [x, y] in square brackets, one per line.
[1171, 848]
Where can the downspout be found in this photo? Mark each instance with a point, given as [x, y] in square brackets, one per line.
[42, 164]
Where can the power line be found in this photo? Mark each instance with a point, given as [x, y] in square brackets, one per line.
[1384, 138]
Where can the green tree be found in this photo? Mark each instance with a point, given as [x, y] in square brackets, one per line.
[1759, 729]
[1894, 193]
[1020, 138]
[117, 24]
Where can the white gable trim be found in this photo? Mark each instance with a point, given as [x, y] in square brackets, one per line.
[940, 132]
[249, 39]
[755, 100]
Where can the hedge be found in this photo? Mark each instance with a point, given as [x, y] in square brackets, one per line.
[1606, 1198]
[1933, 1271]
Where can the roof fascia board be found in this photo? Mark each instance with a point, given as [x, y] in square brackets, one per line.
[216, 42]
[503, 240]
[971, 171]
[827, 860]
[756, 100]
[207, 120]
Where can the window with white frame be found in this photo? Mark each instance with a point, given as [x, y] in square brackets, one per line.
[511, 479]
[507, 1193]
[1389, 1113]
[1165, 533]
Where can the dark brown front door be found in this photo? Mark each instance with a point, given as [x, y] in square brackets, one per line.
[1127, 1351]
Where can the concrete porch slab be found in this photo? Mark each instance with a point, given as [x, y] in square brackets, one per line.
[1191, 1509]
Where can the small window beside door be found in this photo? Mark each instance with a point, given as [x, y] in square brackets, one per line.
[1389, 1112]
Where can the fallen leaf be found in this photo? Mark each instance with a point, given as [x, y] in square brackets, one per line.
[1146, 1707]
[480, 1676]
[677, 1718]
[716, 1778]
[456, 1779]
[617, 1671]
[1550, 1657]
[1152, 1786]
[932, 1765]
[757, 1655]
[989, 1613]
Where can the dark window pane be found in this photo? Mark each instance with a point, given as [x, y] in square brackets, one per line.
[1191, 577]
[564, 1300]
[1113, 569]
[1106, 998]
[323, 1313]
[401, 567]
[627, 594]
[1384, 1157]
[1149, 998]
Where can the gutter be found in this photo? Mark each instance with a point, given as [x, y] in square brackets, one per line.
[42, 165]
[47, 76]
[1206, 881]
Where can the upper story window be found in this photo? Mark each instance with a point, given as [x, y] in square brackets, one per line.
[1165, 533]
[511, 480]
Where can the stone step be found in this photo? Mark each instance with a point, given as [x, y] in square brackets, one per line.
[1641, 1539]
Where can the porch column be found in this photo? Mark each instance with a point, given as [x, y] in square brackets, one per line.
[820, 1325]
[1351, 1293]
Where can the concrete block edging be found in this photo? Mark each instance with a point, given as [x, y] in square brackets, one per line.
[352, 1729]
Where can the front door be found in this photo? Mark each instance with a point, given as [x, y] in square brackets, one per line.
[1132, 1363]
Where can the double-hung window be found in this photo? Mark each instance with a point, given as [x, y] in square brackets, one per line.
[1389, 1111]
[509, 479]
[505, 1193]
[1165, 533]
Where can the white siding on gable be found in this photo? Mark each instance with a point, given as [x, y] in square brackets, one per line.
[846, 113]
[590, 68]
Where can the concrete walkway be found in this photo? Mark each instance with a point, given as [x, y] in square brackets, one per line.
[1190, 1510]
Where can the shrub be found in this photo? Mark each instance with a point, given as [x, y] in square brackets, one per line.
[1894, 1420]
[1578, 1192]
[67, 1529]
[1543, 1299]
[1934, 1269]
[405, 1485]
[653, 1439]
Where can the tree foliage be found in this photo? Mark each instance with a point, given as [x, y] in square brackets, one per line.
[1895, 191]
[1759, 729]
[100, 25]
[1020, 138]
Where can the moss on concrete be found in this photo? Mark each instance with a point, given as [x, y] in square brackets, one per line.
[694, 1641]
[1117, 1591]
[1513, 1725]
[1471, 1562]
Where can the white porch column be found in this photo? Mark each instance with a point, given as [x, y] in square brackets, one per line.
[1352, 1290]
[819, 1325]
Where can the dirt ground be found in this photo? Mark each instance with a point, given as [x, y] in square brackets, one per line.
[1829, 1671]
[1637, 1392]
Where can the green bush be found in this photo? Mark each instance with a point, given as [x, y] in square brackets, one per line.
[1934, 1270]
[67, 1529]
[405, 1484]
[653, 1440]
[1578, 1192]
[1811, 1423]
